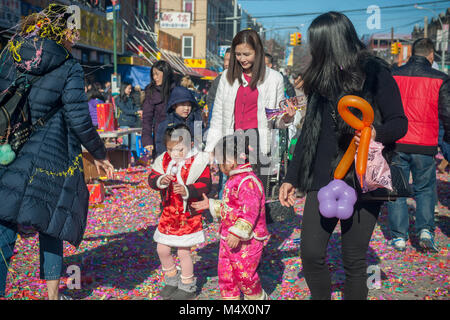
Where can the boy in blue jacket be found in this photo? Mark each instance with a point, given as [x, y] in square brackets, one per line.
[181, 108]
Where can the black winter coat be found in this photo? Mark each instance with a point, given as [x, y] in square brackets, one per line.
[325, 136]
[127, 113]
[44, 187]
[154, 112]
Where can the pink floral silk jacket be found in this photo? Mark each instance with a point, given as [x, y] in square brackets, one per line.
[242, 209]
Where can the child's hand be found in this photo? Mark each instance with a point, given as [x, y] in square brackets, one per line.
[179, 189]
[232, 241]
[167, 179]
[201, 205]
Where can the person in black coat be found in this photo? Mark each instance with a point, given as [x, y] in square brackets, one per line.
[340, 66]
[181, 108]
[44, 186]
[129, 115]
[154, 106]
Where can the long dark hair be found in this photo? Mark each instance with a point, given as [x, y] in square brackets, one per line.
[168, 79]
[335, 50]
[123, 97]
[95, 94]
[234, 72]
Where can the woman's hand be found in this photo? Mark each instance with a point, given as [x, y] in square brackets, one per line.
[201, 205]
[290, 112]
[358, 136]
[232, 241]
[179, 189]
[106, 166]
[167, 179]
[287, 195]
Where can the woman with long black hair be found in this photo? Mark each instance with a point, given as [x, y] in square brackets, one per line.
[156, 96]
[340, 65]
[128, 115]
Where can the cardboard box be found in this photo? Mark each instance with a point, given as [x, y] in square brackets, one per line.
[105, 117]
[96, 193]
[119, 158]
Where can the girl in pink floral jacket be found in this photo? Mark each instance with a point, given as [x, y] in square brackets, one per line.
[243, 225]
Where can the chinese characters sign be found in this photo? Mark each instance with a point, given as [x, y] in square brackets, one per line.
[97, 33]
[195, 63]
[178, 20]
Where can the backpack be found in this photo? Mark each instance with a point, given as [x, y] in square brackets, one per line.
[15, 118]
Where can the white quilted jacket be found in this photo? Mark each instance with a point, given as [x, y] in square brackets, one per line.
[270, 93]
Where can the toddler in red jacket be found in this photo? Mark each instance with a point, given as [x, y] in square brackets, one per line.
[182, 175]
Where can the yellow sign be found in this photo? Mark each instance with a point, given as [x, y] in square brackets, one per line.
[97, 32]
[195, 63]
[125, 60]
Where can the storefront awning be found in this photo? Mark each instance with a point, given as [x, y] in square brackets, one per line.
[206, 73]
[178, 64]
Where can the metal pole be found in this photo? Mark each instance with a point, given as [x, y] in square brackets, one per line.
[115, 36]
[235, 18]
[392, 41]
[442, 26]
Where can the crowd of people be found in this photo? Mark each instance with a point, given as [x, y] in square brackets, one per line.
[44, 186]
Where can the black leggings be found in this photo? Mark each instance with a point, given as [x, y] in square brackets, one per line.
[356, 234]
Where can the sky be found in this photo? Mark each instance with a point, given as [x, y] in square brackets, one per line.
[402, 19]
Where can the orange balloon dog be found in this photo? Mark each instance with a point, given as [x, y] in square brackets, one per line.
[366, 133]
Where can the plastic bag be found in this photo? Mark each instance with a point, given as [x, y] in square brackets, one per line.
[378, 173]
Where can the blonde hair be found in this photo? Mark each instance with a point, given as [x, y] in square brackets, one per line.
[187, 82]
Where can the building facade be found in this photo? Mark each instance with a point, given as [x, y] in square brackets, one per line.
[200, 26]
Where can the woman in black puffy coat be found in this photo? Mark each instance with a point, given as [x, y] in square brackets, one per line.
[128, 114]
[44, 186]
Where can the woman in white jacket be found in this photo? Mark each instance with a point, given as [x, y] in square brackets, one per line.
[245, 90]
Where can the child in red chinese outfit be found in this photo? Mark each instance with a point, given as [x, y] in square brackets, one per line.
[182, 175]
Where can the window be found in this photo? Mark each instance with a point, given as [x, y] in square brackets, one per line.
[187, 49]
[188, 6]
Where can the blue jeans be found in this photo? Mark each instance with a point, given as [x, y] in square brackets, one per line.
[445, 147]
[423, 169]
[50, 254]
[132, 145]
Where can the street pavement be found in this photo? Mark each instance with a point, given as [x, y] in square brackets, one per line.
[117, 258]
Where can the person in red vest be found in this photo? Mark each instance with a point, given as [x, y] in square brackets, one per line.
[425, 95]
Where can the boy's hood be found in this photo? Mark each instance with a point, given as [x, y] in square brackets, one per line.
[180, 94]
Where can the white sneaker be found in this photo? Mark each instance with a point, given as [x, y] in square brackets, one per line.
[399, 244]
[426, 241]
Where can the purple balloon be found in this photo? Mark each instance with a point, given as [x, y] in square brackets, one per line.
[336, 200]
